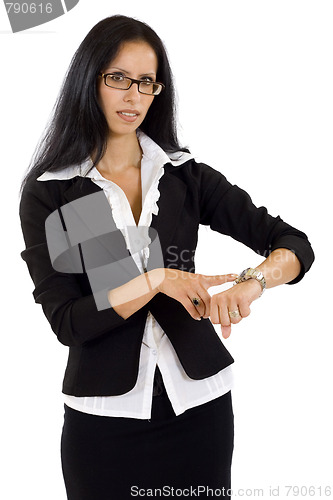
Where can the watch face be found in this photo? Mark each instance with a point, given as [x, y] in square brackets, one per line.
[252, 273]
[243, 273]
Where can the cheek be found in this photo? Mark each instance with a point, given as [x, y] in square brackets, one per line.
[148, 103]
[101, 99]
[106, 99]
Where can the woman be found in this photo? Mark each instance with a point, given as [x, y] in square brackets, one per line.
[110, 212]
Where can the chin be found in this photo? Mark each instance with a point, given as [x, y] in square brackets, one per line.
[125, 129]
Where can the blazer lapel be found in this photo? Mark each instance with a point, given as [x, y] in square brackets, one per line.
[171, 202]
[107, 247]
[82, 186]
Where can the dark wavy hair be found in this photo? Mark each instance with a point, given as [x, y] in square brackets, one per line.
[78, 126]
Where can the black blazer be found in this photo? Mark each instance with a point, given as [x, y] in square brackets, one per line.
[104, 348]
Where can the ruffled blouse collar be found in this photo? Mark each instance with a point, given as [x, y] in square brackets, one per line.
[152, 169]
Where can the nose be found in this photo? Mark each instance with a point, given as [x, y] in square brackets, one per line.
[132, 93]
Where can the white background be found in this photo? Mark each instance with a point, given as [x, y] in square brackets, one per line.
[255, 84]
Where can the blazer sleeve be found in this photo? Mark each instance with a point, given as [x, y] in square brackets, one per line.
[72, 314]
[228, 209]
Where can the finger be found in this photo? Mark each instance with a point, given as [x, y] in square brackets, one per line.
[226, 331]
[206, 298]
[199, 307]
[219, 279]
[214, 311]
[224, 315]
[234, 308]
[225, 321]
[244, 309]
[188, 304]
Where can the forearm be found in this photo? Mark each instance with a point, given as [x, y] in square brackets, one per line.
[281, 266]
[130, 297]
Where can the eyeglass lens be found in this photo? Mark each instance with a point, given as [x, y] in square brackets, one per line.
[123, 83]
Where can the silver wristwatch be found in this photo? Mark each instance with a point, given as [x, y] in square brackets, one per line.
[251, 273]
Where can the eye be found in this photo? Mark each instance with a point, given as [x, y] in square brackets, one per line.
[116, 77]
[147, 82]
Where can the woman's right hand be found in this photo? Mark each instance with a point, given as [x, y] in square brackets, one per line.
[184, 286]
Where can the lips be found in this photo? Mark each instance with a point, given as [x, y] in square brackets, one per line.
[128, 115]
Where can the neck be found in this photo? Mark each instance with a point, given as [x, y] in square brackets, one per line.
[122, 152]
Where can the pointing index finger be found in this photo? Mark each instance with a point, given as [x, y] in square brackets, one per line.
[219, 279]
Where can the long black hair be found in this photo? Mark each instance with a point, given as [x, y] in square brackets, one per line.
[78, 127]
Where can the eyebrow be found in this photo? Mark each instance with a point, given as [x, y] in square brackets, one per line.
[124, 71]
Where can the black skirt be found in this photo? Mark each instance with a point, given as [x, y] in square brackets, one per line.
[116, 458]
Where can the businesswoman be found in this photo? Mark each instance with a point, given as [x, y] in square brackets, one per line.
[109, 208]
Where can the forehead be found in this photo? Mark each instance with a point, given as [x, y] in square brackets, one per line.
[135, 56]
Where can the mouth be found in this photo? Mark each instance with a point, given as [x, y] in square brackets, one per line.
[128, 116]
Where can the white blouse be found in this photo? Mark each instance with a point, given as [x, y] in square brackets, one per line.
[156, 349]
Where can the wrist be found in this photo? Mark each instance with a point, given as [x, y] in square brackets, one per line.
[254, 286]
[251, 274]
[156, 278]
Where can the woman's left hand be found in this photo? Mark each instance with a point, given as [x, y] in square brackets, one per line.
[232, 305]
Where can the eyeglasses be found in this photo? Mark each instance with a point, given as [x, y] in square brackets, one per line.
[117, 81]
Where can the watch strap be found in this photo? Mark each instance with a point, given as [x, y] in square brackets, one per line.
[252, 273]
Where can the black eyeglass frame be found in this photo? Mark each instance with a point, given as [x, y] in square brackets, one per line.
[132, 80]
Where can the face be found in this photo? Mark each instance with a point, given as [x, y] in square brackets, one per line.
[136, 60]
